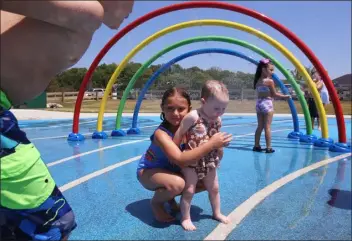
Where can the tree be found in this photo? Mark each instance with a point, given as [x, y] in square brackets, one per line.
[176, 75]
[297, 75]
[71, 79]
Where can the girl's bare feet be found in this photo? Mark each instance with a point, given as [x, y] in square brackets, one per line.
[160, 214]
[221, 218]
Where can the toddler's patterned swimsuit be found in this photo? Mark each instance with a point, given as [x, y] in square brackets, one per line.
[199, 133]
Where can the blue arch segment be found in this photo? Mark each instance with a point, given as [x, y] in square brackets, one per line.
[206, 51]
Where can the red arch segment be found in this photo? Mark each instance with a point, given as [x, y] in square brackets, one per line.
[220, 5]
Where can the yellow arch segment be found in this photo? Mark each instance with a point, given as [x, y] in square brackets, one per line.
[216, 22]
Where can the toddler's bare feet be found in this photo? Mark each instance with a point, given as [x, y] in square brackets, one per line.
[188, 225]
[221, 218]
[159, 212]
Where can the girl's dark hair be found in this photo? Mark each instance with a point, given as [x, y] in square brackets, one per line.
[258, 72]
[169, 93]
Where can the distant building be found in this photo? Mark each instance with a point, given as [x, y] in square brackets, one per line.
[343, 85]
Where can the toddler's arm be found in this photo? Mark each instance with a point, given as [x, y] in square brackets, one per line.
[186, 123]
[220, 150]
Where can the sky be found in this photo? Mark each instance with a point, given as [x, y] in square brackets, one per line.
[324, 26]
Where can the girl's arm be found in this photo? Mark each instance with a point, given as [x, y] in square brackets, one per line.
[276, 94]
[175, 155]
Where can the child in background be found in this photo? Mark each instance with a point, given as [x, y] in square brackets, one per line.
[313, 110]
[266, 92]
[197, 128]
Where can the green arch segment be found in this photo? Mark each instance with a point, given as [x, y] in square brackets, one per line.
[247, 45]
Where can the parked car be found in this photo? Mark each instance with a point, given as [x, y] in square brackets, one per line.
[95, 91]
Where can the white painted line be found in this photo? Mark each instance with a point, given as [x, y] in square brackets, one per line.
[85, 134]
[55, 137]
[27, 114]
[253, 124]
[251, 134]
[278, 115]
[97, 173]
[125, 143]
[93, 151]
[109, 168]
[236, 216]
[55, 126]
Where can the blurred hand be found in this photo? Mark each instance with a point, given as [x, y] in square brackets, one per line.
[39, 39]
